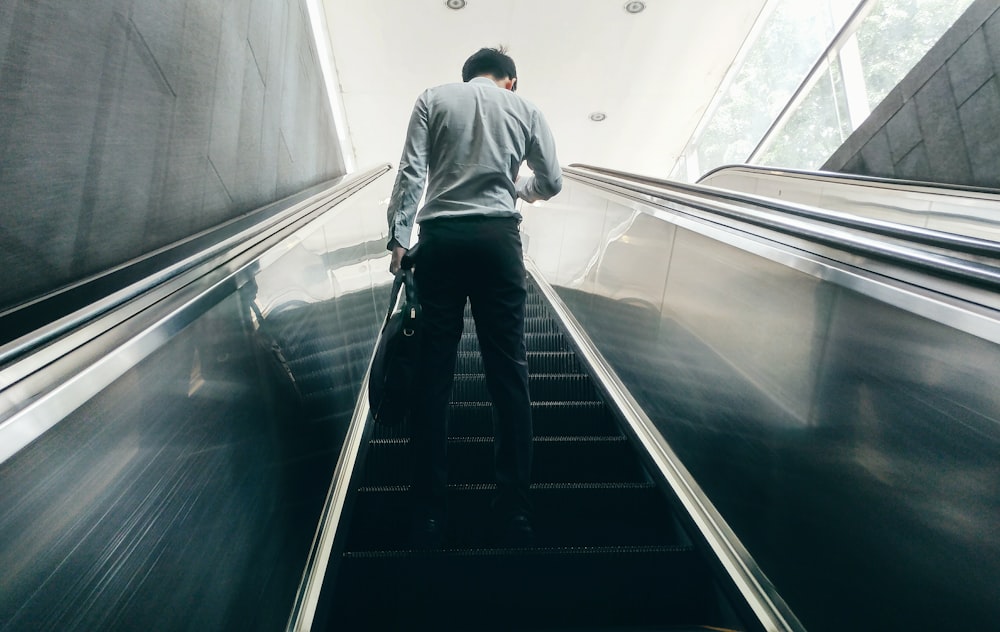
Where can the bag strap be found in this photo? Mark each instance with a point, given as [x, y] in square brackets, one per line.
[403, 277]
[393, 298]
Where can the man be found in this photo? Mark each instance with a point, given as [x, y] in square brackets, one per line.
[468, 140]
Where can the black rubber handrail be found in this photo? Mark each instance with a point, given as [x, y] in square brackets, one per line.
[925, 236]
[969, 272]
[23, 334]
[893, 183]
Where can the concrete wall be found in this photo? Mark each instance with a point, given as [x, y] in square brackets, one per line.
[942, 122]
[126, 125]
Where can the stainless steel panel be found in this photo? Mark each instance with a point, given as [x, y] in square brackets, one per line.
[187, 491]
[764, 318]
[845, 425]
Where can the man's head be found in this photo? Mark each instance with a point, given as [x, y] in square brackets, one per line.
[492, 62]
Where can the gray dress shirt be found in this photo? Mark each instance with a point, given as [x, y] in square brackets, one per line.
[468, 140]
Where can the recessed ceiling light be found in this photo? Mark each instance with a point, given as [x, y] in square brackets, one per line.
[635, 6]
[459, 4]
[597, 117]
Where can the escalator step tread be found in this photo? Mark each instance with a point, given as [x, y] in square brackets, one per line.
[543, 387]
[557, 417]
[534, 320]
[538, 438]
[556, 459]
[608, 552]
[612, 587]
[478, 487]
[533, 341]
[565, 515]
[538, 362]
[562, 551]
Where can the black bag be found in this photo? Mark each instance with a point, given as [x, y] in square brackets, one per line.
[394, 368]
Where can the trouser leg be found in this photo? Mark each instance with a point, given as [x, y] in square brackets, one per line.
[443, 304]
[498, 307]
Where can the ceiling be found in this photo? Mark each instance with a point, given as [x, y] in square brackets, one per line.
[653, 73]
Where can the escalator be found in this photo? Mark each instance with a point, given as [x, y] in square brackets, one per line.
[731, 401]
[609, 551]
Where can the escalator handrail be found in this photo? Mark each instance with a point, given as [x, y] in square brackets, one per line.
[933, 188]
[925, 236]
[39, 389]
[964, 271]
[49, 332]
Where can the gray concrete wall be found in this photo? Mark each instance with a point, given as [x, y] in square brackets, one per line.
[126, 125]
[942, 122]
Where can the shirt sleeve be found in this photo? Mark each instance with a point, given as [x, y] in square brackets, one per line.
[410, 178]
[541, 157]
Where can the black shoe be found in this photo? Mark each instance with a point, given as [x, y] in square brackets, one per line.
[427, 533]
[518, 531]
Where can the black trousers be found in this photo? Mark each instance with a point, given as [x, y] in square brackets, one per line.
[478, 258]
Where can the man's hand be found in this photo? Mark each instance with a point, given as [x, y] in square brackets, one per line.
[397, 259]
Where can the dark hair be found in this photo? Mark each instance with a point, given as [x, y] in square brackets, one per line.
[490, 61]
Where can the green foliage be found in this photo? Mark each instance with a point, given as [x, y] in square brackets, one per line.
[897, 34]
[891, 40]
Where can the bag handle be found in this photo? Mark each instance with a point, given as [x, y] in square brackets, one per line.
[403, 277]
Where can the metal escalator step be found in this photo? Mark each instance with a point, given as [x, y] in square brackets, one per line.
[538, 362]
[556, 460]
[610, 550]
[532, 324]
[533, 341]
[565, 515]
[543, 387]
[532, 302]
[612, 587]
[549, 418]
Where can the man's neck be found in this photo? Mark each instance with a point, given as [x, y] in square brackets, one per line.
[505, 83]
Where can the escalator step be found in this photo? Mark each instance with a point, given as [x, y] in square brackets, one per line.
[615, 587]
[608, 552]
[538, 362]
[565, 515]
[556, 459]
[544, 388]
[567, 418]
[542, 323]
[534, 342]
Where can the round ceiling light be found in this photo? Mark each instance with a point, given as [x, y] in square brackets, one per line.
[635, 6]
[597, 117]
[455, 4]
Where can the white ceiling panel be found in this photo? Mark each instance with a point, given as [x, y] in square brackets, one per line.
[653, 74]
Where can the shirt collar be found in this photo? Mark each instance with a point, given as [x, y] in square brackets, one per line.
[484, 80]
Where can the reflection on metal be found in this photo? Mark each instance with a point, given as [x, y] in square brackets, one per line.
[961, 277]
[74, 322]
[87, 360]
[954, 210]
[755, 588]
[903, 231]
[197, 377]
